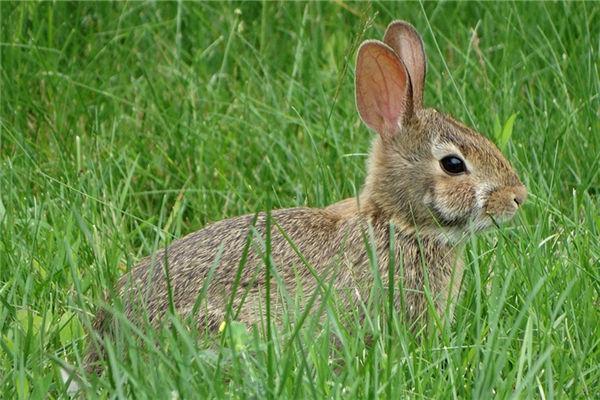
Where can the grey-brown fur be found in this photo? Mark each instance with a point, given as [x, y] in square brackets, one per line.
[331, 243]
[331, 240]
[405, 187]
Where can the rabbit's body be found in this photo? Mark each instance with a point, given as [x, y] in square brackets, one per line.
[334, 244]
[430, 177]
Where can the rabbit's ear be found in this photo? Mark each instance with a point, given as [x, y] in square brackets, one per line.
[403, 38]
[383, 91]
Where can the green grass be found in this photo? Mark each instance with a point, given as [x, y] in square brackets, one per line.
[126, 125]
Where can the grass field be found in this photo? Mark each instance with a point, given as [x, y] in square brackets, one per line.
[126, 125]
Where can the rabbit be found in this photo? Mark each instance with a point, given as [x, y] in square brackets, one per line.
[433, 178]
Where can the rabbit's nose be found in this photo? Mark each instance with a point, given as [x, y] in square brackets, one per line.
[520, 195]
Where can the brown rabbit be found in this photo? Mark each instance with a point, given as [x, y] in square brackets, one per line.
[429, 175]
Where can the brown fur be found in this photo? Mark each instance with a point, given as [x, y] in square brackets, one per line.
[405, 187]
[332, 240]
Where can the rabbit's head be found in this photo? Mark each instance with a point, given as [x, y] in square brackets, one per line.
[426, 170]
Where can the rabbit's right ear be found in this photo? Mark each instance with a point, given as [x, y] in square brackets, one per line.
[404, 39]
[383, 90]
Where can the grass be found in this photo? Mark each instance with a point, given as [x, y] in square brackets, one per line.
[126, 125]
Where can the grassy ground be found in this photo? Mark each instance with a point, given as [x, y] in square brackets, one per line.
[125, 125]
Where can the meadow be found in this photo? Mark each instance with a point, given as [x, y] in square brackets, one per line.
[126, 125]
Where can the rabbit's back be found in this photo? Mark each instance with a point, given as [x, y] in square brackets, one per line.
[211, 259]
[335, 246]
[225, 263]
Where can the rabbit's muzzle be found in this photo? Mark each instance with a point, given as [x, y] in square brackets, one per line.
[503, 203]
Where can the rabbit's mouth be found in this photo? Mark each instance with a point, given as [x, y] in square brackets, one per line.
[478, 221]
[456, 222]
[491, 207]
[486, 220]
[454, 230]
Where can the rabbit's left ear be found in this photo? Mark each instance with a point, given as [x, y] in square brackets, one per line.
[403, 38]
[383, 92]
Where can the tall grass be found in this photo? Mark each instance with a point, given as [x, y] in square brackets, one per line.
[126, 125]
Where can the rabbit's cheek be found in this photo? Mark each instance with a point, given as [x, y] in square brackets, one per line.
[482, 193]
[454, 200]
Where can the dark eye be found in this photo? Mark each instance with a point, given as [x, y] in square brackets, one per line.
[453, 165]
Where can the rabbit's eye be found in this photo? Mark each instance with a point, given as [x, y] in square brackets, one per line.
[453, 165]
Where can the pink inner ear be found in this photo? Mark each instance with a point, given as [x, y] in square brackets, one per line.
[382, 88]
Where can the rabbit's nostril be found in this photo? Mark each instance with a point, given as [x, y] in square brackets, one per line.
[519, 195]
[518, 200]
